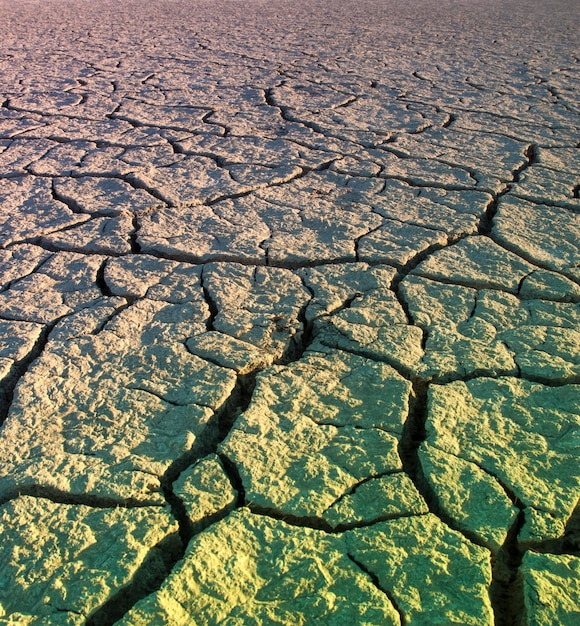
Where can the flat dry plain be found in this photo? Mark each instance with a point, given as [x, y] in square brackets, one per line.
[289, 312]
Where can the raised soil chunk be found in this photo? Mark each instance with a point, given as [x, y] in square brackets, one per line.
[27, 209]
[452, 212]
[551, 588]
[256, 150]
[492, 158]
[249, 569]
[551, 286]
[426, 173]
[20, 260]
[548, 236]
[188, 118]
[476, 262]
[251, 306]
[377, 499]
[397, 243]
[133, 276]
[101, 235]
[374, 324]
[60, 562]
[316, 428]
[189, 181]
[63, 284]
[470, 498]
[457, 343]
[17, 156]
[205, 490]
[335, 287]
[433, 573]
[227, 351]
[312, 218]
[17, 339]
[547, 186]
[112, 401]
[103, 196]
[521, 434]
[489, 332]
[319, 230]
[223, 231]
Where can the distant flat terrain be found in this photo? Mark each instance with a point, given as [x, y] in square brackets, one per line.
[289, 313]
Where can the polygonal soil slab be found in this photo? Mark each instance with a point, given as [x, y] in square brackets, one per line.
[28, 210]
[548, 236]
[433, 574]
[250, 569]
[522, 435]
[472, 499]
[551, 588]
[317, 428]
[60, 562]
[108, 379]
[103, 196]
[489, 332]
[476, 262]
[205, 490]
[62, 284]
[374, 324]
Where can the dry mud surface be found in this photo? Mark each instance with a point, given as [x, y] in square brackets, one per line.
[289, 313]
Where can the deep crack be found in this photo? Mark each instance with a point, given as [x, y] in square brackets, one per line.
[506, 591]
[211, 303]
[133, 237]
[101, 280]
[414, 433]
[147, 579]
[19, 370]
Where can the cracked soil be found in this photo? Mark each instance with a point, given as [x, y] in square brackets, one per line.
[289, 313]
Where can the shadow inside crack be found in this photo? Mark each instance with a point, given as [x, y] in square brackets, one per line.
[148, 578]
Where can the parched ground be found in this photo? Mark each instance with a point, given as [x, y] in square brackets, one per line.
[289, 312]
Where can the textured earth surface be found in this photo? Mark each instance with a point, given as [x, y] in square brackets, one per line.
[289, 312]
